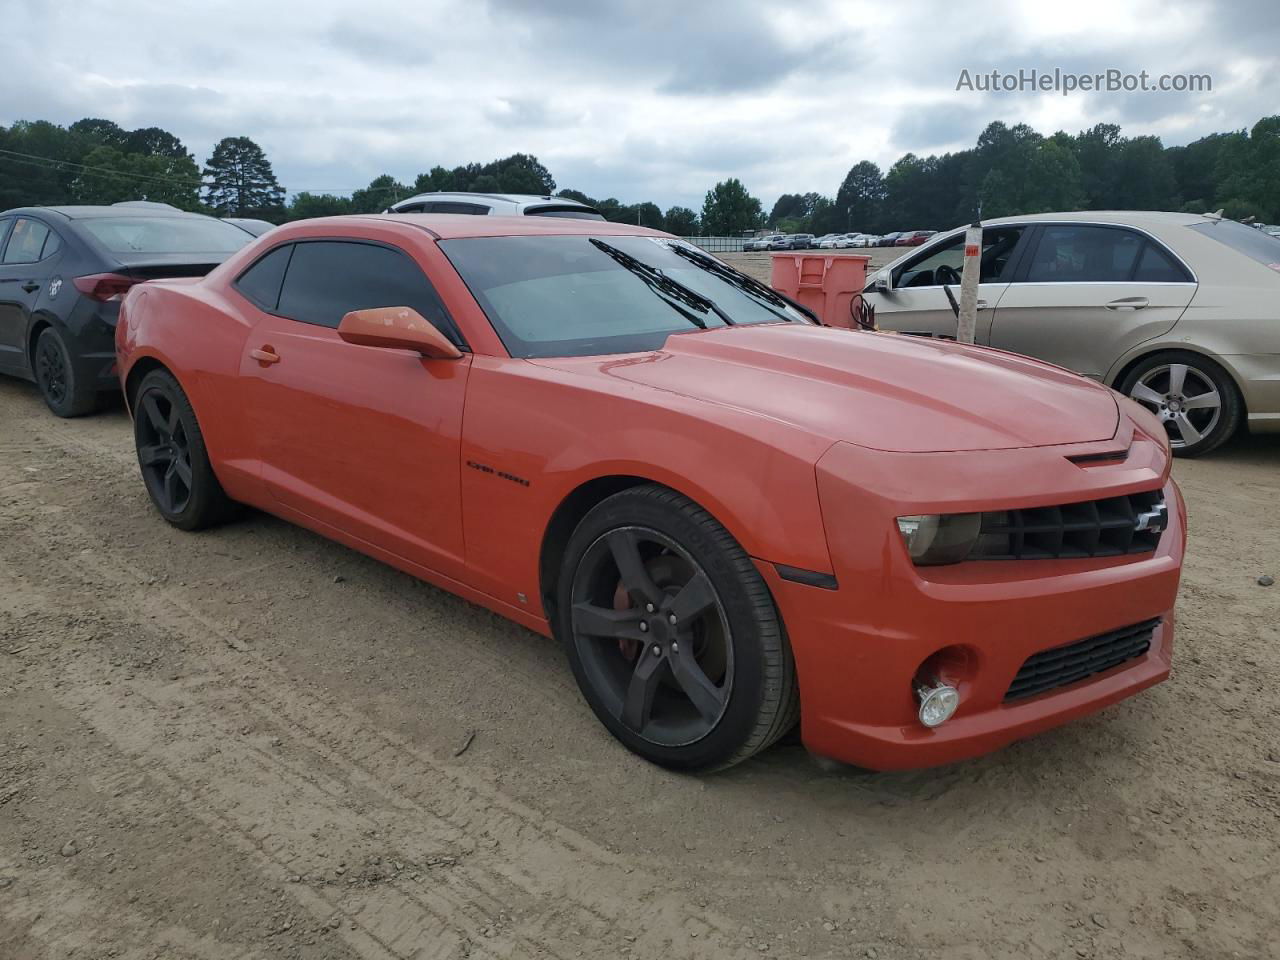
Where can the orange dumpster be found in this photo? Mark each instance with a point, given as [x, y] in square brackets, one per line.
[823, 282]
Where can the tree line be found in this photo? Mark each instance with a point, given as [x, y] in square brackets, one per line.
[1010, 170]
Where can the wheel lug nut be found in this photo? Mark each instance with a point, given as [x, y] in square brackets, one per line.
[675, 648]
[648, 607]
[657, 650]
[671, 618]
[644, 627]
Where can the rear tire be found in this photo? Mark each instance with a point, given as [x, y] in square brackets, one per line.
[702, 691]
[1195, 399]
[57, 379]
[172, 456]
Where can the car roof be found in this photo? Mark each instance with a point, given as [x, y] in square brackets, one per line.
[519, 198]
[1134, 217]
[447, 226]
[92, 212]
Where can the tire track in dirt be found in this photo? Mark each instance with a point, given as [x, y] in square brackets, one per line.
[594, 898]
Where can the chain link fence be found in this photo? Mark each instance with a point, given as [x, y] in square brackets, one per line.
[718, 244]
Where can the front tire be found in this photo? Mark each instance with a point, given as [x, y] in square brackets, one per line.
[172, 455]
[672, 634]
[1194, 398]
[57, 379]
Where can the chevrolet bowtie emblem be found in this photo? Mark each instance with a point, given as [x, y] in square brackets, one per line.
[1156, 519]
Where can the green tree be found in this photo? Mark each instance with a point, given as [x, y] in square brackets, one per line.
[378, 195]
[307, 205]
[576, 195]
[729, 209]
[242, 183]
[861, 196]
[789, 206]
[681, 221]
[94, 131]
[109, 175]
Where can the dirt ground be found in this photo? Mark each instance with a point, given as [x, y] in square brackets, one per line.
[248, 743]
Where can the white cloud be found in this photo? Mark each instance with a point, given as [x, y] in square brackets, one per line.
[638, 99]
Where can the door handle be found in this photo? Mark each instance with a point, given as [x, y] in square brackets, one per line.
[1128, 303]
[31, 286]
[266, 355]
[982, 304]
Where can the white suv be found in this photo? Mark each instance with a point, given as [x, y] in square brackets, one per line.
[496, 204]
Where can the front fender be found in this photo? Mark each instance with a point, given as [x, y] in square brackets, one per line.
[532, 435]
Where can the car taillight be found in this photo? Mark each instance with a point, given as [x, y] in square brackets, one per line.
[104, 286]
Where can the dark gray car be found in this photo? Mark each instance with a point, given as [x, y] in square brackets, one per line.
[63, 273]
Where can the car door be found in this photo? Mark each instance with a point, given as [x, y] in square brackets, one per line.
[24, 261]
[916, 302]
[1086, 293]
[364, 439]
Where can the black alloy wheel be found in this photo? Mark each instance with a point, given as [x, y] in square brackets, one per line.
[172, 455]
[672, 633]
[164, 452]
[652, 634]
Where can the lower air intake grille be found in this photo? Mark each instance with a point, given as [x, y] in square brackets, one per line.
[1060, 666]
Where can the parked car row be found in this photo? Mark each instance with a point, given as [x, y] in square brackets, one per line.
[838, 241]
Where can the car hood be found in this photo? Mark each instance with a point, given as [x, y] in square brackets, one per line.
[897, 393]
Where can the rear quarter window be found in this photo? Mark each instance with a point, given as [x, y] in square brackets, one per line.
[261, 282]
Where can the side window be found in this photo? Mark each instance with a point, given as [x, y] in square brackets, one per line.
[52, 244]
[412, 208]
[327, 279]
[261, 281]
[1156, 266]
[1084, 254]
[26, 241]
[997, 246]
[4, 230]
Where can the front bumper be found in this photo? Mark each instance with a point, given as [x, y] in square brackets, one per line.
[860, 647]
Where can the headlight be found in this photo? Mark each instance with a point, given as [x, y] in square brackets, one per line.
[934, 538]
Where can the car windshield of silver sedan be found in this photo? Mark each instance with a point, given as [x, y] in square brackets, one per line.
[574, 296]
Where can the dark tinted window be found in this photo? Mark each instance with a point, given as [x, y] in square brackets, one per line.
[1254, 244]
[1084, 254]
[261, 282]
[1156, 266]
[411, 208]
[449, 206]
[26, 241]
[572, 213]
[327, 279]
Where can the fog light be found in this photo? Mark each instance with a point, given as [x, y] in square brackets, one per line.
[937, 703]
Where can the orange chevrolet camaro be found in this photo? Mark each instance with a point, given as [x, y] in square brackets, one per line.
[735, 519]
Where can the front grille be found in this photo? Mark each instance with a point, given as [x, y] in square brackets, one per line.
[1094, 528]
[1060, 666]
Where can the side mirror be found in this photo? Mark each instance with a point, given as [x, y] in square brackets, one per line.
[883, 282]
[399, 328]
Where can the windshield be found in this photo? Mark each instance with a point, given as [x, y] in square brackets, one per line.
[568, 297]
[166, 235]
[1253, 243]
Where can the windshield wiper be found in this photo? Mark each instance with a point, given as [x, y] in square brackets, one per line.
[742, 281]
[660, 283]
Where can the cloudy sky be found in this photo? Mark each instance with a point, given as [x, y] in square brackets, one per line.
[638, 99]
